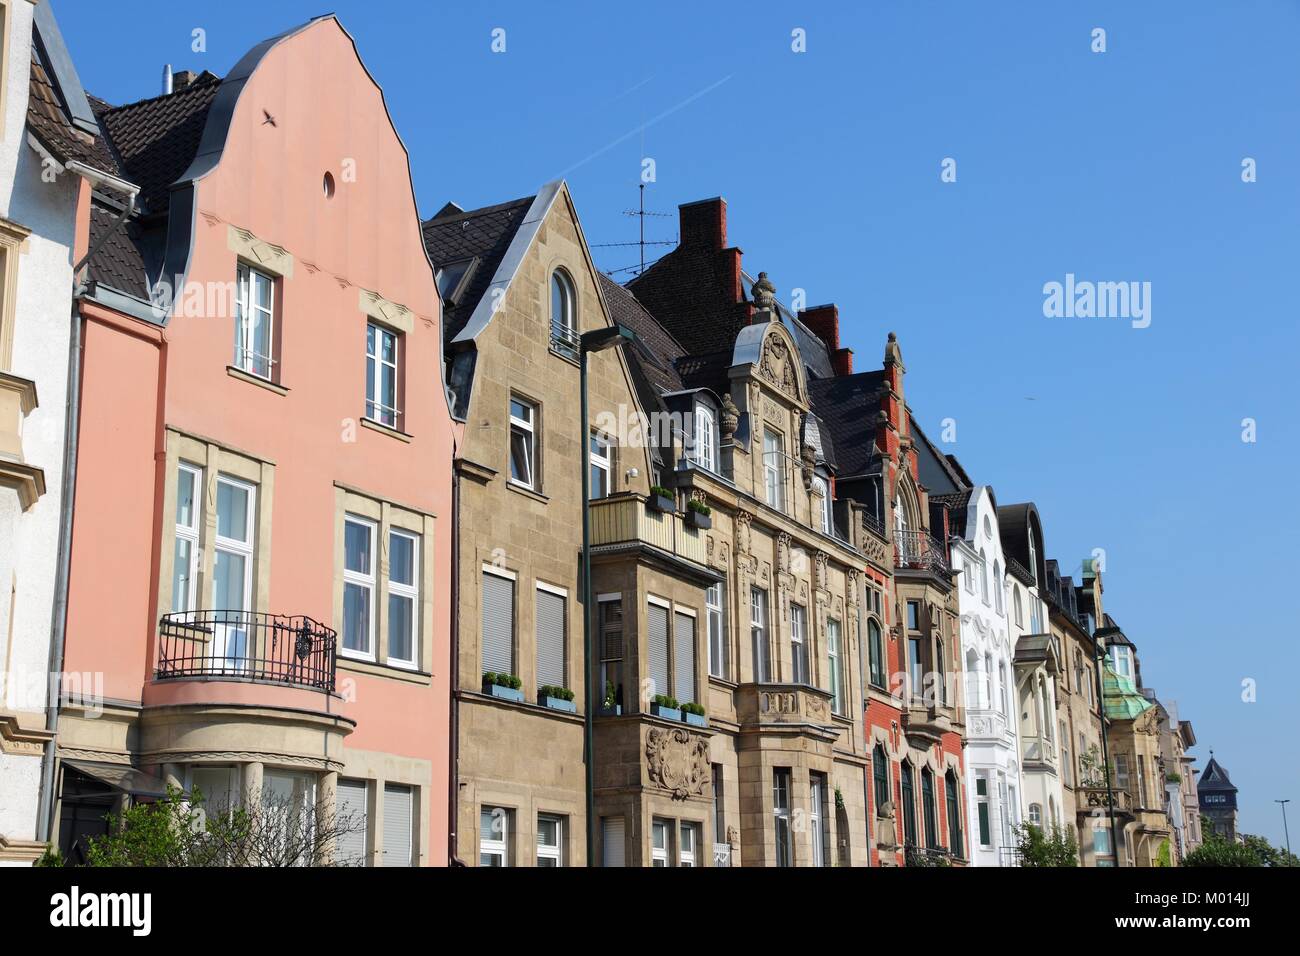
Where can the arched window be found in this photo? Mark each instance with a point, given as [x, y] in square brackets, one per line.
[955, 842]
[997, 586]
[564, 324]
[876, 651]
[819, 487]
[909, 804]
[928, 808]
[1018, 606]
[984, 577]
[880, 776]
[1033, 555]
[1036, 815]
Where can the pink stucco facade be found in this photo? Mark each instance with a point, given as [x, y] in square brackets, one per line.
[308, 108]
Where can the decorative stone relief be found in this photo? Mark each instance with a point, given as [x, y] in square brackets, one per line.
[678, 761]
[777, 367]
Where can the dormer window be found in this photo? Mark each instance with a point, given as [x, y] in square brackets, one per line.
[820, 487]
[774, 469]
[564, 318]
[704, 442]
[1121, 659]
[1033, 556]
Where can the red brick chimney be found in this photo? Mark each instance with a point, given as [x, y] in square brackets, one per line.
[704, 222]
[824, 321]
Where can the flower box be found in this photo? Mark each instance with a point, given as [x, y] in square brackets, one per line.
[505, 693]
[559, 703]
[667, 713]
[698, 519]
[696, 720]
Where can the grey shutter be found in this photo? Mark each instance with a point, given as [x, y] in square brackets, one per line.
[613, 847]
[350, 808]
[550, 639]
[658, 648]
[684, 645]
[397, 825]
[498, 624]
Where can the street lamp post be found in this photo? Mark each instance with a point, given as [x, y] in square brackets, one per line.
[1284, 826]
[597, 340]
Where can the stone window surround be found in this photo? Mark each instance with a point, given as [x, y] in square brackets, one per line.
[13, 243]
[213, 459]
[387, 516]
[525, 804]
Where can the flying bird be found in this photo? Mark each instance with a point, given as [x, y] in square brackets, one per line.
[269, 118]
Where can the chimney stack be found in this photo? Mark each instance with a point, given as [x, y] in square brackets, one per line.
[824, 321]
[167, 79]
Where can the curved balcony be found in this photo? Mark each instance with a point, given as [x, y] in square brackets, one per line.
[290, 650]
[917, 551]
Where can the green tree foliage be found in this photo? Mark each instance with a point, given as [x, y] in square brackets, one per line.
[1039, 847]
[1251, 851]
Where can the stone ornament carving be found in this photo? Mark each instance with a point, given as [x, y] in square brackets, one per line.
[777, 365]
[678, 761]
[729, 420]
[743, 531]
[783, 552]
[821, 561]
[763, 292]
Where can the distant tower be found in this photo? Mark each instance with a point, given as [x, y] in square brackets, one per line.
[1218, 798]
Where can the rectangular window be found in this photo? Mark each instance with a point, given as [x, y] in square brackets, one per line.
[358, 587]
[715, 608]
[289, 811]
[799, 644]
[600, 458]
[684, 657]
[659, 842]
[254, 322]
[403, 598]
[836, 668]
[217, 786]
[399, 825]
[550, 840]
[185, 560]
[781, 815]
[913, 615]
[688, 840]
[494, 836]
[982, 807]
[523, 443]
[1121, 772]
[657, 649]
[611, 651]
[817, 818]
[381, 376]
[915, 672]
[232, 569]
[552, 638]
[703, 452]
[1101, 841]
[498, 651]
[350, 823]
[758, 632]
[612, 842]
[774, 469]
[719, 806]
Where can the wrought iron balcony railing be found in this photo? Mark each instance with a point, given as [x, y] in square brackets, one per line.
[916, 550]
[247, 645]
[926, 856]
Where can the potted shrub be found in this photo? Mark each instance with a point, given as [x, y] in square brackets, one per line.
[661, 499]
[666, 707]
[505, 686]
[697, 515]
[609, 705]
[694, 714]
[556, 698]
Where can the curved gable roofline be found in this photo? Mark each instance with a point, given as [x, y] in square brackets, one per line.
[749, 351]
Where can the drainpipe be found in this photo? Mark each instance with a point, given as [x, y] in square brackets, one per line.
[59, 617]
[453, 710]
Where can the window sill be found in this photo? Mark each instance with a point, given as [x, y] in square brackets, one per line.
[385, 430]
[527, 492]
[569, 355]
[251, 379]
[360, 665]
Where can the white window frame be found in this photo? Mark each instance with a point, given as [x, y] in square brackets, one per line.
[564, 328]
[685, 855]
[704, 451]
[820, 483]
[364, 580]
[601, 463]
[489, 845]
[800, 665]
[774, 468]
[835, 664]
[189, 534]
[245, 358]
[659, 854]
[984, 578]
[715, 610]
[410, 591]
[245, 549]
[816, 795]
[759, 635]
[390, 416]
[529, 429]
[549, 851]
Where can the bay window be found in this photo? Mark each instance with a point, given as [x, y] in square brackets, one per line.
[798, 644]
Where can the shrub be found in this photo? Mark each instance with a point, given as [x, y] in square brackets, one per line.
[551, 690]
[660, 491]
[699, 506]
[663, 700]
[1039, 847]
[693, 708]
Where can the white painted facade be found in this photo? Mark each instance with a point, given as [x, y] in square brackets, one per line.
[993, 784]
[1045, 752]
[39, 310]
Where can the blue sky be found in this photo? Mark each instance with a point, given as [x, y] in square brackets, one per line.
[1116, 166]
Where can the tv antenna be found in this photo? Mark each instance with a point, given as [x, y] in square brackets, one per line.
[641, 242]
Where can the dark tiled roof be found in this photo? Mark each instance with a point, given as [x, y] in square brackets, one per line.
[956, 502]
[847, 406]
[686, 290]
[1018, 570]
[706, 371]
[117, 262]
[454, 235]
[49, 122]
[935, 470]
[156, 139]
[625, 310]
[1214, 777]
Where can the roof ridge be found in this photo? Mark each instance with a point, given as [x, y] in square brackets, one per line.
[437, 220]
[196, 85]
[650, 315]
